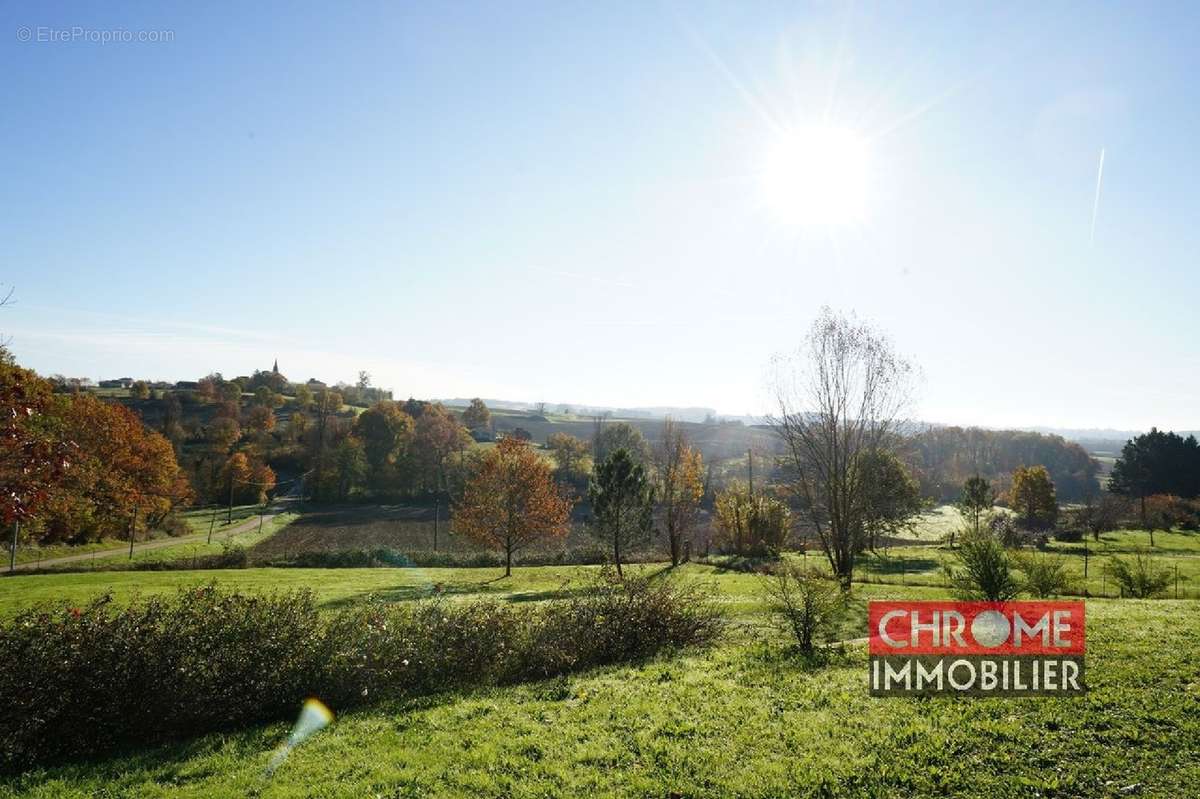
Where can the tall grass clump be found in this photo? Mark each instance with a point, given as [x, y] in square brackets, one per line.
[1045, 575]
[804, 603]
[82, 681]
[1139, 577]
[985, 570]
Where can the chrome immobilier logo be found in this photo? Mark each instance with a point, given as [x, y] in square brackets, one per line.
[976, 648]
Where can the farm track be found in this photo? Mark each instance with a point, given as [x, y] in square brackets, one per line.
[192, 538]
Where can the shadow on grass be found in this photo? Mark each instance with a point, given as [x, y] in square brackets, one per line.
[885, 565]
[494, 589]
[411, 593]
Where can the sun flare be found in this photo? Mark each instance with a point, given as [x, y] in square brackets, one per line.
[817, 176]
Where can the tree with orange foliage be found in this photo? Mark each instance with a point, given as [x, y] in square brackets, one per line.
[511, 501]
[261, 419]
[236, 476]
[32, 457]
[437, 436]
[262, 478]
[122, 474]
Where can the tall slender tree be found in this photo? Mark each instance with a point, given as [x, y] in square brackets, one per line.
[622, 503]
[679, 478]
[975, 503]
[839, 401]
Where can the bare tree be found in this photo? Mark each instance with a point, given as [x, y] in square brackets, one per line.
[839, 401]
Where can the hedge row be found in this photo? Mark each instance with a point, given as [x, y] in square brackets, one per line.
[81, 681]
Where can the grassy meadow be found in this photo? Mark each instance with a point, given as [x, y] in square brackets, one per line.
[745, 718]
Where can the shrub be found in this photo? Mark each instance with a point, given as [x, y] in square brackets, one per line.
[1069, 535]
[803, 603]
[1045, 575]
[1003, 527]
[986, 573]
[80, 681]
[1138, 577]
[175, 525]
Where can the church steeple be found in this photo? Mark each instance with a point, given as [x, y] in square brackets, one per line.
[275, 368]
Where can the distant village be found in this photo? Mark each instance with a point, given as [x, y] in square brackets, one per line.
[271, 377]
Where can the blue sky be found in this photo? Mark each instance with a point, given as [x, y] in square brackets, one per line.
[564, 201]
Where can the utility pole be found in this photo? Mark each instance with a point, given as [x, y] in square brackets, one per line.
[132, 528]
[229, 516]
[12, 553]
[212, 522]
[750, 455]
[437, 513]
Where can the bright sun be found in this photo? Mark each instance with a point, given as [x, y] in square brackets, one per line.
[817, 176]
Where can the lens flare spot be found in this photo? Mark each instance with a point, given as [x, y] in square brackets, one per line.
[314, 717]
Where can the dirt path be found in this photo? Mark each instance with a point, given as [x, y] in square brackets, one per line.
[193, 538]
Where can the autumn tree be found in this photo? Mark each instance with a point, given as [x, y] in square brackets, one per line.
[261, 419]
[386, 432]
[208, 388]
[172, 421]
[122, 475]
[33, 457]
[477, 416]
[680, 485]
[510, 501]
[437, 436]
[236, 477]
[304, 396]
[262, 478]
[140, 390]
[571, 458]
[77, 468]
[297, 425]
[610, 437]
[751, 523]
[839, 401]
[622, 501]
[1032, 497]
[327, 405]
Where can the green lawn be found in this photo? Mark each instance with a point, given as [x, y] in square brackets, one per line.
[1178, 552]
[738, 592]
[198, 520]
[742, 719]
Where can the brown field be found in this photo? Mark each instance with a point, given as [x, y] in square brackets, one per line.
[410, 529]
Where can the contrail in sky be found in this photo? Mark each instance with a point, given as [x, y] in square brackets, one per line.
[1096, 203]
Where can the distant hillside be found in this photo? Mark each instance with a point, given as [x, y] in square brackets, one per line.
[689, 414]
